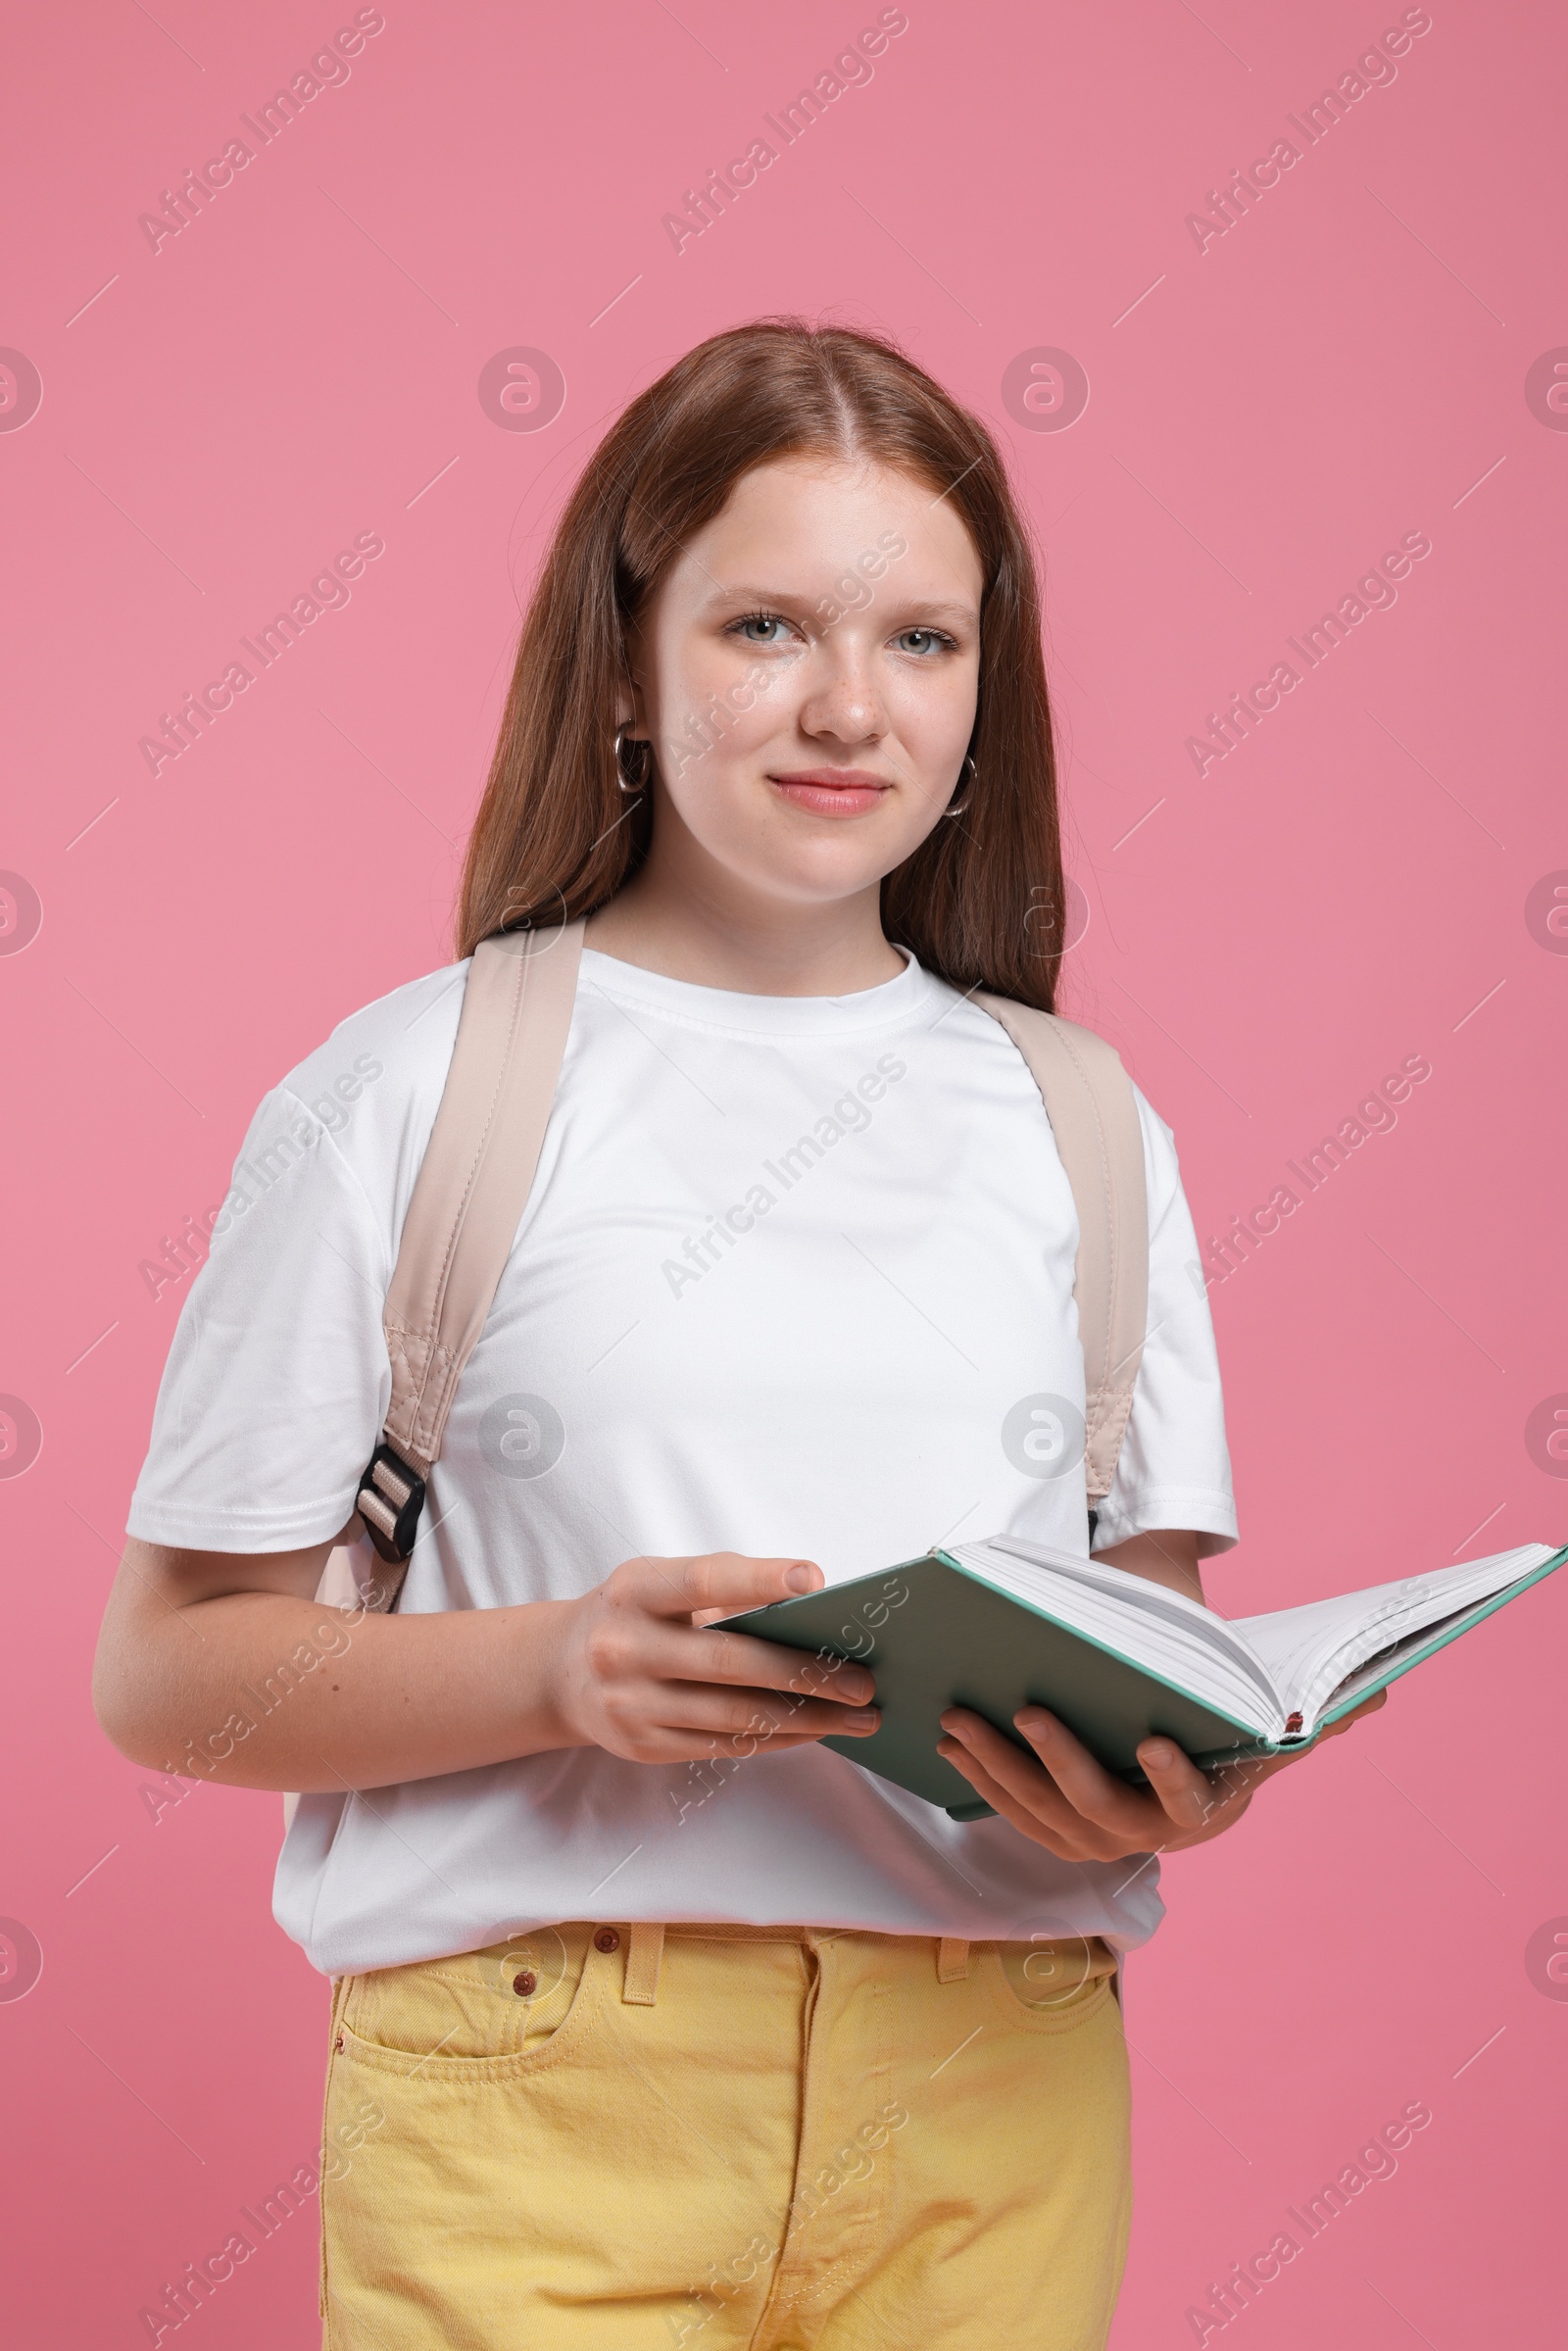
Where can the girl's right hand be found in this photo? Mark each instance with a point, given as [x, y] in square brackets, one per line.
[640, 1670]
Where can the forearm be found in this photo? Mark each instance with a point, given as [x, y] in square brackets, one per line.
[268, 1689]
[221, 1665]
[1162, 1558]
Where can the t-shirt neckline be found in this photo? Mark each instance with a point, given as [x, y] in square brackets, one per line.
[888, 1004]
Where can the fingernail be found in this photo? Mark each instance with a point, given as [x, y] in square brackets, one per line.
[861, 1718]
[1160, 1755]
[799, 1576]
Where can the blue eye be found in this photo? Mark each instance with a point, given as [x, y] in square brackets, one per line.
[934, 640]
[761, 620]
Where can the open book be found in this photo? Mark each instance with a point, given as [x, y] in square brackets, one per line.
[994, 1626]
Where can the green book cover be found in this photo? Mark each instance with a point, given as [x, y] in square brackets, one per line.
[936, 1635]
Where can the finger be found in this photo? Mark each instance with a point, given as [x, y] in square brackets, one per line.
[1369, 1706]
[1180, 1791]
[1201, 1803]
[696, 1706]
[1005, 1765]
[1189, 1797]
[1024, 1816]
[677, 1653]
[720, 1656]
[723, 1579]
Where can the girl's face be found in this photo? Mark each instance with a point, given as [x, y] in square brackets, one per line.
[808, 673]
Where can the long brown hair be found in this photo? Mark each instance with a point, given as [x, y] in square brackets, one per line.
[980, 900]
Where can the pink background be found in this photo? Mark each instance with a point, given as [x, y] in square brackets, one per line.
[1348, 886]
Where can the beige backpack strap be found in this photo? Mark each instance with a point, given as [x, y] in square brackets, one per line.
[468, 1199]
[1094, 1117]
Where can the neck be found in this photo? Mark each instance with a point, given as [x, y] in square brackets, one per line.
[724, 937]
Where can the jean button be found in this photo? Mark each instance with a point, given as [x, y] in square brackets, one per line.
[607, 1939]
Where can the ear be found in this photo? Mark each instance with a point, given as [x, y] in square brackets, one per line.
[630, 712]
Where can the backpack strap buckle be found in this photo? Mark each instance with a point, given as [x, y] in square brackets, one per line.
[390, 1499]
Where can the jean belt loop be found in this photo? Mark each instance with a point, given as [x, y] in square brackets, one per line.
[644, 1956]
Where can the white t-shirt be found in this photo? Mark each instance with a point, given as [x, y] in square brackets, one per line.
[795, 1278]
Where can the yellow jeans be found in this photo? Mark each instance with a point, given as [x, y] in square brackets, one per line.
[695, 2139]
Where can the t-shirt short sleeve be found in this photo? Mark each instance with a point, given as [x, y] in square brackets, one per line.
[277, 1380]
[1174, 1468]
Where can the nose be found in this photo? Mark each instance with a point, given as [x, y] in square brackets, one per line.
[844, 704]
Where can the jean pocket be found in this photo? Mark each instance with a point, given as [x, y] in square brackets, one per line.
[450, 2018]
[1049, 1986]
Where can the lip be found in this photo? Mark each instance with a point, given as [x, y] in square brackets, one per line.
[831, 791]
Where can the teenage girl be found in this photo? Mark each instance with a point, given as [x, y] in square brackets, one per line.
[655, 2020]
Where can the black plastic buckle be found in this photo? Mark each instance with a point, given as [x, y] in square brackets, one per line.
[390, 1499]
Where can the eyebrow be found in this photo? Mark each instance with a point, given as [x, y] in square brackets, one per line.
[744, 597]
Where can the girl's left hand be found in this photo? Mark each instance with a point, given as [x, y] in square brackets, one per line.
[1080, 1812]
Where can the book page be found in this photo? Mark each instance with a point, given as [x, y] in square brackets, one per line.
[1169, 1635]
[1310, 1650]
[1371, 1670]
[1258, 1669]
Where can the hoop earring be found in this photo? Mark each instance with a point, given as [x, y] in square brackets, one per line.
[957, 806]
[631, 789]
